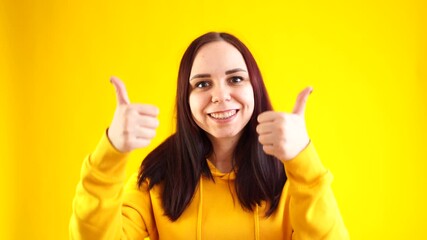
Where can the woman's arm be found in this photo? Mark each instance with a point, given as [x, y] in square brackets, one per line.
[313, 210]
[314, 213]
[100, 209]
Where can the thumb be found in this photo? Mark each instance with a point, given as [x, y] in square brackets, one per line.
[121, 93]
[299, 107]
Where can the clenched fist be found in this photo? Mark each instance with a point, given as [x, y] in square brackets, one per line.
[284, 135]
[133, 125]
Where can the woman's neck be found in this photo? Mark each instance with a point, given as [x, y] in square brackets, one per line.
[223, 150]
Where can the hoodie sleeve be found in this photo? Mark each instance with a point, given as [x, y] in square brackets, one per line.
[314, 213]
[100, 209]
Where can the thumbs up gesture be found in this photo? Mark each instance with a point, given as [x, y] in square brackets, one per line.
[133, 125]
[284, 135]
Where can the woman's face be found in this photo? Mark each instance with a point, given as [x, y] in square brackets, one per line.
[221, 96]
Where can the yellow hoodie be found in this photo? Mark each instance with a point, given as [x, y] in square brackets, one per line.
[104, 208]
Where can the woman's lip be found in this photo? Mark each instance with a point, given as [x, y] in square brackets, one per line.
[223, 115]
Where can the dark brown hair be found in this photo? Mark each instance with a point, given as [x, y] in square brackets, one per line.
[178, 163]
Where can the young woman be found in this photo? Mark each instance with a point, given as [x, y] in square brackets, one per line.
[234, 168]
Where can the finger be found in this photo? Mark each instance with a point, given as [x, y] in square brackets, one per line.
[121, 93]
[140, 142]
[267, 116]
[145, 133]
[266, 127]
[299, 107]
[147, 122]
[268, 149]
[136, 118]
[147, 109]
[267, 139]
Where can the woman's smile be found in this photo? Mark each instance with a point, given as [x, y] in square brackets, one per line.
[223, 115]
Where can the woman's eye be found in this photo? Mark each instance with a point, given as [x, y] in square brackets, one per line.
[236, 79]
[202, 84]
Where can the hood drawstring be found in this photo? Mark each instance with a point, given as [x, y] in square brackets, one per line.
[256, 222]
[199, 212]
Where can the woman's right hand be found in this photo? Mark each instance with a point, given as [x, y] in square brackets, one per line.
[133, 125]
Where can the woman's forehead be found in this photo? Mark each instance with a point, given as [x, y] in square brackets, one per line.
[217, 56]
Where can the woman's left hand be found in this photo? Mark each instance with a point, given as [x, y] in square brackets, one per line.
[284, 135]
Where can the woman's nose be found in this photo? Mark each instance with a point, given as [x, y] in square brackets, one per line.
[220, 94]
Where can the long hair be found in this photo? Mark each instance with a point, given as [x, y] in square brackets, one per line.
[179, 162]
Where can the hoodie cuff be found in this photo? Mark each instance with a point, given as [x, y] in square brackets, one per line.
[107, 160]
[306, 168]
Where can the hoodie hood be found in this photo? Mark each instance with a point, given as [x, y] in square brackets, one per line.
[220, 175]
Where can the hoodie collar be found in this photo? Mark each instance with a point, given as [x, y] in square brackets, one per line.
[220, 175]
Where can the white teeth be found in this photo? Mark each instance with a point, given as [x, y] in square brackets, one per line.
[223, 115]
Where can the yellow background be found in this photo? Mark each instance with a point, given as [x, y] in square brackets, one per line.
[366, 116]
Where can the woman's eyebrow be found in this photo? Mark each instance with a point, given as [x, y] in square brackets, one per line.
[203, 75]
[235, 70]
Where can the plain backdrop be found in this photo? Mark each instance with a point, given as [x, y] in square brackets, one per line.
[367, 115]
